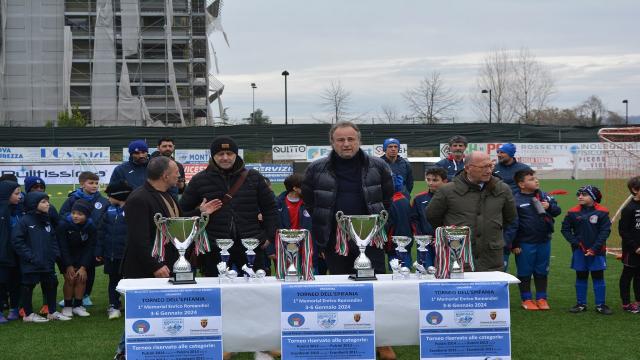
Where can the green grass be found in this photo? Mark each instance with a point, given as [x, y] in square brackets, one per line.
[555, 334]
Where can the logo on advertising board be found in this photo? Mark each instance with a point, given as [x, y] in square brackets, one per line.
[172, 326]
[464, 317]
[289, 152]
[70, 153]
[434, 318]
[296, 320]
[141, 327]
[327, 320]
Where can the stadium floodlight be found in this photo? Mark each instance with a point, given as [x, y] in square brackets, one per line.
[626, 111]
[485, 91]
[253, 102]
[285, 74]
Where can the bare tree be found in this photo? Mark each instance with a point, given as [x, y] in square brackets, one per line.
[532, 85]
[592, 111]
[495, 75]
[432, 101]
[389, 114]
[336, 99]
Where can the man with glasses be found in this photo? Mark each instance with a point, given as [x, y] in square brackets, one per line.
[481, 201]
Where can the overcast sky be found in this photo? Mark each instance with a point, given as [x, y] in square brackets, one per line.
[378, 49]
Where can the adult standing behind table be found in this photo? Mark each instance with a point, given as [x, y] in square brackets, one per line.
[355, 183]
[166, 147]
[454, 162]
[398, 164]
[481, 201]
[134, 170]
[238, 217]
[508, 166]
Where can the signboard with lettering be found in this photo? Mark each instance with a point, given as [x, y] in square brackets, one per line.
[24, 155]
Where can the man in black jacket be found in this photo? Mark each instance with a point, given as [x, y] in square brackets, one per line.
[238, 217]
[167, 147]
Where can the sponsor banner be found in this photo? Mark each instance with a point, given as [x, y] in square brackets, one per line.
[318, 320]
[317, 152]
[57, 174]
[173, 324]
[89, 155]
[465, 320]
[185, 156]
[289, 152]
[191, 169]
[273, 172]
[556, 156]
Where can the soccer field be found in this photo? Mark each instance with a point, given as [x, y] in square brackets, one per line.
[554, 334]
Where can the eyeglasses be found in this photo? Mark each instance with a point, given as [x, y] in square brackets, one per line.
[485, 167]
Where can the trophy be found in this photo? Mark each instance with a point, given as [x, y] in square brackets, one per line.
[401, 252]
[250, 244]
[223, 270]
[224, 245]
[423, 251]
[424, 274]
[399, 271]
[362, 229]
[181, 232]
[290, 240]
[224, 273]
[250, 274]
[457, 240]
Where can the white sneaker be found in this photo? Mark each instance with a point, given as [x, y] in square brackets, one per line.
[58, 316]
[80, 311]
[113, 313]
[34, 318]
[259, 355]
[67, 311]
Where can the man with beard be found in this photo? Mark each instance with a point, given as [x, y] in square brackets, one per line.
[133, 171]
[454, 162]
[166, 147]
[508, 166]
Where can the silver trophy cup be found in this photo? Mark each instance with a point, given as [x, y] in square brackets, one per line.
[401, 252]
[290, 240]
[455, 240]
[250, 244]
[423, 241]
[362, 229]
[181, 232]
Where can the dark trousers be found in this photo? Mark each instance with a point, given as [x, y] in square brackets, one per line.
[49, 283]
[91, 278]
[238, 258]
[629, 275]
[10, 286]
[343, 265]
[114, 296]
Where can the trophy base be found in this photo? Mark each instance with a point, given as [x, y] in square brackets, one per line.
[183, 278]
[363, 275]
[291, 278]
[456, 275]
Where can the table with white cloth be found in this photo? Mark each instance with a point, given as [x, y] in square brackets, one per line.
[251, 310]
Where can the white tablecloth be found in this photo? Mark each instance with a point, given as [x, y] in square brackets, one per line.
[251, 311]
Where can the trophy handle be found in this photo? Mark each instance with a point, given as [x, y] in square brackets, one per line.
[158, 219]
[384, 215]
[339, 216]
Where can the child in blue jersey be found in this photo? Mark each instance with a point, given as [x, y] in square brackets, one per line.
[629, 229]
[34, 241]
[399, 223]
[9, 270]
[529, 237]
[88, 191]
[435, 178]
[112, 237]
[77, 238]
[587, 227]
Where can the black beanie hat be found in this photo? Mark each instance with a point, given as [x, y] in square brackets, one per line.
[223, 143]
[82, 206]
[119, 190]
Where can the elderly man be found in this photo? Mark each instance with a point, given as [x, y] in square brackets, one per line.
[399, 165]
[454, 162]
[481, 201]
[243, 194]
[134, 170]
[508, 166]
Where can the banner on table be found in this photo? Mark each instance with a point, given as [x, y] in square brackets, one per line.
[317, 152]
[465, 320]
[173, 324]
[91, 155]
[336, 319]
[58, 174]
[185, 156]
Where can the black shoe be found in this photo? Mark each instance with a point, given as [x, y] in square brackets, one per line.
[603, 309]
[578, 308]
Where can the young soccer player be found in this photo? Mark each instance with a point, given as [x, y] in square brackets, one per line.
[9, 270]
[112, 236]
[629, 229]
[35, 243]
[88, 191]
[587, 227]
[435, 178]
[529, 238]
[399, 223]
[77, 238]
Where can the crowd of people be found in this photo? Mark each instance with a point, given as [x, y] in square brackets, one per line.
[500, 201]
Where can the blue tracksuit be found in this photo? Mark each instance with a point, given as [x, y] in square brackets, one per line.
[419, 221]
[8, 219]
[112, 237]
[98, 202]
[452, 166]
[134, 174]
[587, 228]
[401, 167]
[531, 233]
[399, 224]
[506, 173]
[77, 243]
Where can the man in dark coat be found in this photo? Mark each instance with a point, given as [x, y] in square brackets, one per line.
[238, 218]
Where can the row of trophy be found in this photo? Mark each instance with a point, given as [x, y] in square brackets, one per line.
[294, 251]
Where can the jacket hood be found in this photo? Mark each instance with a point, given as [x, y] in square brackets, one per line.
[32, 199]
[6, 189]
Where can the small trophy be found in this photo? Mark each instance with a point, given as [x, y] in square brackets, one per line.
[251, 275]
[399, 271]
[224, 273]
[181, 232]
[250, 244]
[423, 242]
[401, 251]
[362, 229]
[454, 247]
[424, 274]
[290, 240]
[224, 245]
